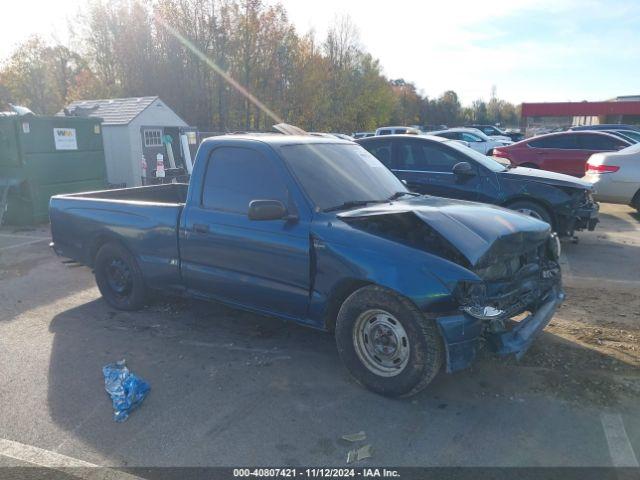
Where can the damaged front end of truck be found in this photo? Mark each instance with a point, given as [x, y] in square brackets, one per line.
[516, 286]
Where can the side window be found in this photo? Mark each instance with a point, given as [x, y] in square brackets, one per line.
[381, 150]
[384, 132]
[426, 157]
[407, 158]
[564, 142]
[600, 142]
[400, 130]
[235, 176]
[439, 158]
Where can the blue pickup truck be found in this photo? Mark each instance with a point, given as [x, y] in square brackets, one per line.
[318, 231]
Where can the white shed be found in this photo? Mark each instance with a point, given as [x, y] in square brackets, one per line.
[131, 128]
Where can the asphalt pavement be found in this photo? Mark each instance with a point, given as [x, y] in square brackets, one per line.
[233, 388]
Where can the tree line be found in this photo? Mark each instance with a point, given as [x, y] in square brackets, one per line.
[185, 51]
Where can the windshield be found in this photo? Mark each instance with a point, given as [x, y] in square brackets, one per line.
[484, 160]
[337, 174]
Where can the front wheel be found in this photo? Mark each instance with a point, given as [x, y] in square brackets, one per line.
[532, 210]
[386, 343]
[119, 278]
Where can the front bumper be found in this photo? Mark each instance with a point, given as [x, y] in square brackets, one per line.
[584, 217]
[521, 336]
[587, 217]
[462, 333]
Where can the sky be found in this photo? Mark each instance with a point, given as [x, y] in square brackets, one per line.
[530, 50]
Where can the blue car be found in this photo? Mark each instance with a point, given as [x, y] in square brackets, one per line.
[433, 165]
[319, 232]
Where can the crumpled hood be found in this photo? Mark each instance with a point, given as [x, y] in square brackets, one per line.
[544, 176]
[481, 233]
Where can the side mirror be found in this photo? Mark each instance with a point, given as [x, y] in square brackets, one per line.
[267, 210]
[463, 169]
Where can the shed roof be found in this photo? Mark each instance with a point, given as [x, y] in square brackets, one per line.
[113, 111]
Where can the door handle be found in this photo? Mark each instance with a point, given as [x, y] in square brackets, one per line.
[200, 228]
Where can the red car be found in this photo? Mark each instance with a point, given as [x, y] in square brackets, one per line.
[564, 152]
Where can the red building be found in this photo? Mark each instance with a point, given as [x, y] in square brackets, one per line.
[620, 110]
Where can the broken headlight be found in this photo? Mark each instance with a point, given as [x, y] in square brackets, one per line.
[472, 297]
[483, 313]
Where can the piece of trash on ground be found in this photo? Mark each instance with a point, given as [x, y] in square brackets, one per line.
[359, 454]
[127, 391]
[355, 437]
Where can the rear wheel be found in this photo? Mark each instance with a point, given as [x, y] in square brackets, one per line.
[532, 209]
[386, 343]
[119, 278]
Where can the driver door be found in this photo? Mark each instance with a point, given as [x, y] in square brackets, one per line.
[259, 264]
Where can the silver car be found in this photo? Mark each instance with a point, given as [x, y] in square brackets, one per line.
[616, 176]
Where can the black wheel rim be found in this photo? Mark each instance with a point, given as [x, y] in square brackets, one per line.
[119, 277]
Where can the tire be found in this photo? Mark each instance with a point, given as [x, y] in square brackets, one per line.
[408, 354]
[533, 210]
[119, 278]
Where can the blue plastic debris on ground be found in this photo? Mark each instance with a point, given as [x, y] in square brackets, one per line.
[127, 391]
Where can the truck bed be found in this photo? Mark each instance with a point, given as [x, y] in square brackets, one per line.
[171, 193]
[144, 219]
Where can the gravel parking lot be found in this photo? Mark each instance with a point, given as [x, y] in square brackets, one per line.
[233, 388]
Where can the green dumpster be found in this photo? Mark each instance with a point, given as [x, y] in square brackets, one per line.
[42, 156]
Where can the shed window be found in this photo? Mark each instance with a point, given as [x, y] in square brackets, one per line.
[153, 138]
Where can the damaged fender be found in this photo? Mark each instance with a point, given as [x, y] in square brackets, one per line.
[425, 249]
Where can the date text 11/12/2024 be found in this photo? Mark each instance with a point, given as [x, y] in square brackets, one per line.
[315, 473]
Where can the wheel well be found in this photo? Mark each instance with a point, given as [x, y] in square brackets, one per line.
[337, 298]
[97, 243]
[541, 204]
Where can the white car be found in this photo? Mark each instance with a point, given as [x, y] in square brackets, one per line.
[473, 138]
[341, 136]
[492, 132]
[616, 176]
[397, 130]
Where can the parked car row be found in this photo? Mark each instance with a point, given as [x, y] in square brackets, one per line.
[579, 151]
[473, 138]
[491, 131]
